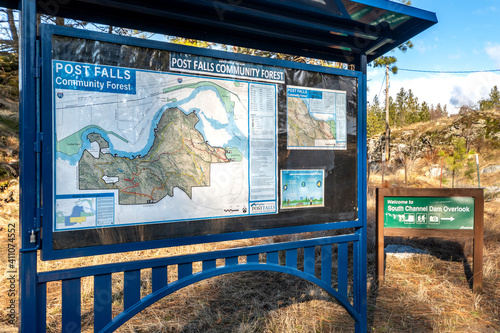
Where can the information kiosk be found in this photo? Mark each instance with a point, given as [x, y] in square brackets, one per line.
[131, 144]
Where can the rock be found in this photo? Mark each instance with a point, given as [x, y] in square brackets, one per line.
[434, 173]
[403, 251]
[491, 169]
[491, 192]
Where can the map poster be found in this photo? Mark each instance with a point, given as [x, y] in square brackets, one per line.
[134, 146]
[316, 118]
[302, 189]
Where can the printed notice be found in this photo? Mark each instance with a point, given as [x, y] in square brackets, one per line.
[262, 142]
[302, 188]
[316, 118]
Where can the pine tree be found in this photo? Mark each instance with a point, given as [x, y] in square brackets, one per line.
[458, 159]
[375, 118]
[424, 112]
[401, 107]
[413, 109]
[493, 102]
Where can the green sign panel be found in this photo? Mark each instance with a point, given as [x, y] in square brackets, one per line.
[429, 212]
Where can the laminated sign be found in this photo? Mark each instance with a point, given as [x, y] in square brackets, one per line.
[429, 212]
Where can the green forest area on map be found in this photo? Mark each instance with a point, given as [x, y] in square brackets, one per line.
[179, 157]
[303, 129]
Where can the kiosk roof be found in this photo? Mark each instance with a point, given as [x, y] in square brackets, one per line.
[338, 30]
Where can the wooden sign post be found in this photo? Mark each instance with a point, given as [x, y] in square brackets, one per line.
[431, 212]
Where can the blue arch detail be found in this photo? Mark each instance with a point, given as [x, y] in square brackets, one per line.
[152, 298]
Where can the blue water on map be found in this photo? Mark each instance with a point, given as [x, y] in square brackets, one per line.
[239, 140]
[77, 212]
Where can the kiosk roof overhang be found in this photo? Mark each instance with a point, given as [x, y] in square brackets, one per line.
[337, 30]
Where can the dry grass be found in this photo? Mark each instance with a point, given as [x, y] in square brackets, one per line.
[425, 293]
[432, 292]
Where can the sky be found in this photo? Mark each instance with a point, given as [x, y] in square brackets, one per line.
[466, 38]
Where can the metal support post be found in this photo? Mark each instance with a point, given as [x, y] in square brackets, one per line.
[28, 168]
[362, 193]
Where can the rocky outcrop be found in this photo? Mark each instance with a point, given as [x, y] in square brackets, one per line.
[480, 129]
[491, 169]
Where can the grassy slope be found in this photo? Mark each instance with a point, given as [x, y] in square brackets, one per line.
[426, 293]
[9, 142]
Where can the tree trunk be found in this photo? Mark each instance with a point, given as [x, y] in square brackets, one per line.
[387, 129]
[13, 30]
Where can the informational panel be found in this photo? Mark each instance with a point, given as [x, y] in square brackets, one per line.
[152, 141]
[316, 118]
[302, 188]
[142, 142]
[429, 212]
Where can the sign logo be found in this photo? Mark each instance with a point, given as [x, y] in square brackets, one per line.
[262, 207]
[91, 77]
[60, 95]
[179, 80]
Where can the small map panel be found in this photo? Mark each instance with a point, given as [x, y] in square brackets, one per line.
[316, 118]
[75, 212]
[84, 211]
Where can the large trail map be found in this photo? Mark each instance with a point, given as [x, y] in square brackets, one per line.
[179, 157]
[145, 146]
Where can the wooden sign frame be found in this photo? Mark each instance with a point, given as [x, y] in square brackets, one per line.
[476, 233]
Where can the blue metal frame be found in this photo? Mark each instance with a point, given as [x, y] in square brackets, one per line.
[358, 38]
[47, 31]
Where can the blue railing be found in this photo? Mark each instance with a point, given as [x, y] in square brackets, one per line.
[315, 265]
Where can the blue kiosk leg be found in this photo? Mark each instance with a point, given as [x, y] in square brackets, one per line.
[361, 247]
[28, 168]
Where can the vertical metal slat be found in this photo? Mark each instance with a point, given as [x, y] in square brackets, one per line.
[71, 306]
[103, 298]
[131, 288]
[326, 263]
[253, 258]
[184, 270]
[41, 307]
[342, 269]
[310, 260]
[291, 258]
[159, 276]
[232, 261]
[273, 258]
[208, 264]
[357, 279]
